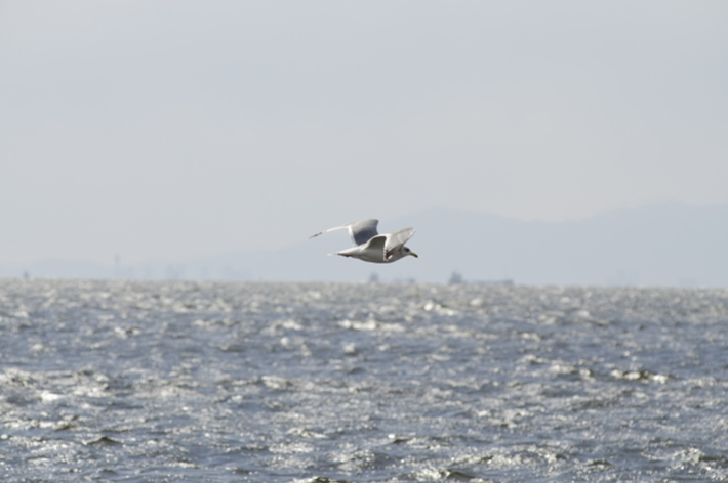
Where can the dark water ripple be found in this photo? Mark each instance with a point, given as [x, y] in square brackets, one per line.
[184, 381]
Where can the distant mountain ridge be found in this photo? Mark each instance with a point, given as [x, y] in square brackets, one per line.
[670, 244]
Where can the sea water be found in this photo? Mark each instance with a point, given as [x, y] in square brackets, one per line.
[315, 382]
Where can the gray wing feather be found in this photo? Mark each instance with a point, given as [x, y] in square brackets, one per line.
[363, 231]
[360, 231]
[378, 243]
[398, 238]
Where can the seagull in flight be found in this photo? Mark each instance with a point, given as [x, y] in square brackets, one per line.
[370, 246]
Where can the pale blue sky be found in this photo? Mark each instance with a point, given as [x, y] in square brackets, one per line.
[168, 130]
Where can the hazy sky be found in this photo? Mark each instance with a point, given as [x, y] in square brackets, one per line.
[175, 129]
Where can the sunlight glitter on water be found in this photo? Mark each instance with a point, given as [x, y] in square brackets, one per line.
[160, 381]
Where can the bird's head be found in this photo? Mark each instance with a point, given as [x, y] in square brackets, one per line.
[407, 251]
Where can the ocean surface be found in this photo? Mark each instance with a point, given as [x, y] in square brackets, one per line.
[314, 382]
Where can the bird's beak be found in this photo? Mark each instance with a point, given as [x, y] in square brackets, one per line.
[414, 254]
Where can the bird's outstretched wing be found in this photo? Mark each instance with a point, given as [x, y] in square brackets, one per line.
[360, 231]
[363, 231]
[377, 244]
[398, 238]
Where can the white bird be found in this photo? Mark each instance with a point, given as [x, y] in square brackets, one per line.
[370, 246]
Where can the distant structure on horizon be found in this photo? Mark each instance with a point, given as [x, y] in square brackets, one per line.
[457, 278]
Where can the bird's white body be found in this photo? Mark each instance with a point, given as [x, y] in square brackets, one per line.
[373, 247]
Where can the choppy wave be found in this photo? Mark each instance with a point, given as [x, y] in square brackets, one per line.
[168, 381]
